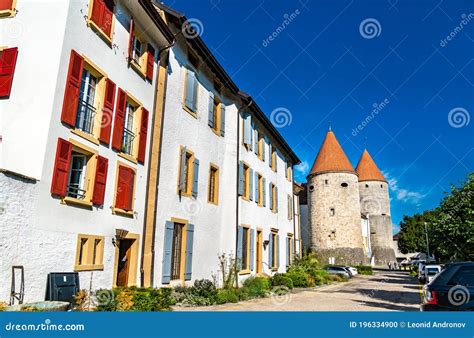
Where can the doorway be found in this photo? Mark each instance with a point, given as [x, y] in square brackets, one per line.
[124, 261]
[259, 250]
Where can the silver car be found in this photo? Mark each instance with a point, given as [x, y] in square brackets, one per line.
[337, 270]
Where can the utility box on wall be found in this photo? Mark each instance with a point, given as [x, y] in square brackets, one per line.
[62, 286]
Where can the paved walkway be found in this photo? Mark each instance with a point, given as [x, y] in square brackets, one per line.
[383, 291]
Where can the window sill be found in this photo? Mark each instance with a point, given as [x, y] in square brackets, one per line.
[75, 201]
[217, 132]
[10, 13]
[86, 136]
[246, 198]
[107, 39]
[138, 69]
[88, 267]
[121, 212]
[274, 269]
[244, 272]
[190, 111]
[128, 157]
[213, 203]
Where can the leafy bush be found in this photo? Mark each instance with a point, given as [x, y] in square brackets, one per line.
[227, 296]
[364, 269]
[134, 299]
[319, 276]
[300, 278]
[3, 306]
[257, 287]
[202, 293]
[282, 279]
[206, 289]
[337, 278]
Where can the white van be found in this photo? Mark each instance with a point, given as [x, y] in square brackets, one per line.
[431, 271]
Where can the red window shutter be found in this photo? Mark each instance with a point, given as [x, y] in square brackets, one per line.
[119, 120]
[107, 17]
[107, 112]
[131, 185]
[130, 40]
[7, 70]
[126, 181]
[61, 168]
[143, 136]
[97, 13]
[6, 5]
[100, 180]
[73, 86]
[150, 62]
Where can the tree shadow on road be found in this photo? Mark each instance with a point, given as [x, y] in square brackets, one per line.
[387, 306]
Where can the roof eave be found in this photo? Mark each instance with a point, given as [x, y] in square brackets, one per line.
[157, 19]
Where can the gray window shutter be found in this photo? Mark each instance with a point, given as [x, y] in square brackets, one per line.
[276, 160]
[252, 249]
[277, 248]
[288, 239]
[167, 248]
[270, 252]
[257, 191]
[264, 188]
[270, 193]
[264, 145]
[240, 235]
[270, 151]
[255, 140]
[247, 127]
[241, 178]
[222, 119]
[195, 177]
[189, 251]
[191, 90]
[251, 135]
[251, 184]
[276, 198]
[210, 119]
[290, 208]
[182, 173]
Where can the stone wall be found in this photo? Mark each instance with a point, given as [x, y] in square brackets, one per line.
[381, 239]
[334, 217]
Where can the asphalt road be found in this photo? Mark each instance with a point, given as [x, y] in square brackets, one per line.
[383, 291]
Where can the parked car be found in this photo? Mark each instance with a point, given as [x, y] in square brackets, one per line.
[451, 290]
[431, 271]
[337, 270]
[421, 273]
[353, 270]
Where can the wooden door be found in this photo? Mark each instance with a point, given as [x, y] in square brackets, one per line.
[123, 267]
[259, 251]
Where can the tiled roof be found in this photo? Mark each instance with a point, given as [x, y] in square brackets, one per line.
[331, 157]
[367, 169]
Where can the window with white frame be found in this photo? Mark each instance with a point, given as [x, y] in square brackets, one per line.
[86, 109]
[128, 129]
[76, 187]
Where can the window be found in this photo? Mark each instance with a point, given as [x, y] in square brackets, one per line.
[190, 92]
[246, 182]
[289, 249]
[130, 128]
[89, 253]
[366, 185]
[244, 249]
[176, 251]
[332, 212]
[261, 146]
[188, 173]
[86, 108]
[274, 160]
[274, 250]
[273, 198]
[8, 58]
[7, 8]
[288, 172]
[344, 185]
[247, 134]
[326, 182]
[260, 198]
[216, 118]
[125, 189]
[140, 57]
[213, 194]
[79, 174]
[101, 18]
[463, 276]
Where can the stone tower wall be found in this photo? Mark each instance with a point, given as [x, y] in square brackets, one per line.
[374, 199]
[337, 235]
[381, 239]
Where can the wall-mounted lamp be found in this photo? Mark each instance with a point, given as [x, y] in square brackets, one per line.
[265, 244]
[119, 235]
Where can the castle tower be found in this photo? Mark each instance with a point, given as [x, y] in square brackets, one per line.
[333, 206]
[375, 204]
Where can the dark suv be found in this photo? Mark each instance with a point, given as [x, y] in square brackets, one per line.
[451, 290]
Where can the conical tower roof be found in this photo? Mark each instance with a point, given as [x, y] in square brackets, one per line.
[368, 170]
[331, 157]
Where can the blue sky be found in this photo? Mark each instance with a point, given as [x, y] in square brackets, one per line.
[334, 62]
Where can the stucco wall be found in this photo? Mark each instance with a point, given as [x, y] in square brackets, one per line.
[374, 198]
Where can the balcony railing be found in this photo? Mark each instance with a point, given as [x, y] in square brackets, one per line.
[127, 141]
[85, 117]
[75, 192]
